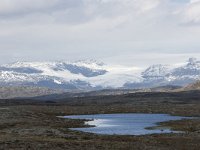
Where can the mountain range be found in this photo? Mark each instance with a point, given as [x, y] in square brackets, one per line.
[94, 75]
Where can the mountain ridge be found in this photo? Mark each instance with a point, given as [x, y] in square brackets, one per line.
[94, 75]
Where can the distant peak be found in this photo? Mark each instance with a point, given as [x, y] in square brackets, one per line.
[158, 65]
[157, 70]
[90, 61]
[192, 60]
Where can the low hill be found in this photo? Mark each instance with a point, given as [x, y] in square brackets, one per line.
[167, 88]
[9, 92]
[193, 86]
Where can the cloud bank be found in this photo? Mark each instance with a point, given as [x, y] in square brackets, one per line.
[73, 29]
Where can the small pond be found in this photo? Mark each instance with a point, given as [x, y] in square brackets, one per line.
[125, 124]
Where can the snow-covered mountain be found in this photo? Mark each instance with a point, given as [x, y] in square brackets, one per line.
[85, 74]
[161, 75]
[156, 72]
[91, 75]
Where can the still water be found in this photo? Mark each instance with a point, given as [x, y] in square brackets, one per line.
[125, 124]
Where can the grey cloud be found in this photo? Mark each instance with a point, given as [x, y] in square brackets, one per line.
[70, 11]
[59, 29]
[21, 8]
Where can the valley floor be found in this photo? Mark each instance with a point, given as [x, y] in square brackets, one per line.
[32, 124]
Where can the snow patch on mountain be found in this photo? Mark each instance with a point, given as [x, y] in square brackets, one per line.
[88, 73]
[91, 74]
[156, 71]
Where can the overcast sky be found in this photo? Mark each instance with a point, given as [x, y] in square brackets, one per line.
[115, 31]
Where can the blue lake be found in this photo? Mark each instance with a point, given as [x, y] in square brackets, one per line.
[125, 124]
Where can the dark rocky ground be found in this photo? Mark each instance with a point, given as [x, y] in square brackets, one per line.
[32, 124]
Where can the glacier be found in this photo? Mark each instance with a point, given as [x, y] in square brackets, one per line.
[94, 75]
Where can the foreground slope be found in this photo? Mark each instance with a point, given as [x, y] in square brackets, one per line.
[27, 124]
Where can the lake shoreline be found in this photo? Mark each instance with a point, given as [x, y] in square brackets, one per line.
[33, 124]
[100, 121]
